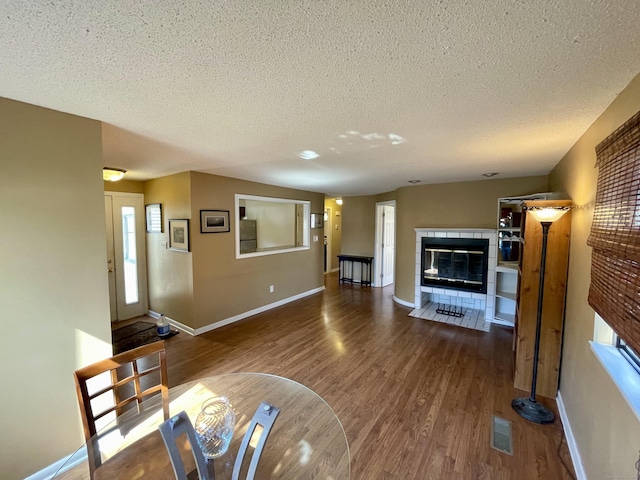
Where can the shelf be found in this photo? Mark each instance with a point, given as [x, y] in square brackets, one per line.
[507, 295]
[507, 267]
[509, 229]
[506, 323]
[506, 317]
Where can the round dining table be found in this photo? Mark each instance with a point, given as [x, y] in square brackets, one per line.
[306, 441]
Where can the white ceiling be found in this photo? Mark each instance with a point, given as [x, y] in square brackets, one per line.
[383, 91]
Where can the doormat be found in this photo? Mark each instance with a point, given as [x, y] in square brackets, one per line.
[136, 335]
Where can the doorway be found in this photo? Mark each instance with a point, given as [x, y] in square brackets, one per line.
[126, 257]
[385, 249]
[328, 237]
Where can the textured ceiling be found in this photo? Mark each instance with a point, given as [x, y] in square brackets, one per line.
[383, 91]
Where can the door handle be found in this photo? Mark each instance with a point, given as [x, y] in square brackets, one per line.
[110, 269]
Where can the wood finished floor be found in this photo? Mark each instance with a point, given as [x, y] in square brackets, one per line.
[415, 397]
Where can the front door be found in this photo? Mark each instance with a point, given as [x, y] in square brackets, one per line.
[126, 266]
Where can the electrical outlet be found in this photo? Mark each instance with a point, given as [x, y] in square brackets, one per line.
[271, 289]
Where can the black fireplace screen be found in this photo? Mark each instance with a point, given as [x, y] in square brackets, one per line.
[455, 263]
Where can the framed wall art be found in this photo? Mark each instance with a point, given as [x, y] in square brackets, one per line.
[317, 220]
[214, 221]
[154, 217]
[179, 235]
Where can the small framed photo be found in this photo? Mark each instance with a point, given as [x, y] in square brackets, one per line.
[317, 220]
[179, 235]
[154, 217]
[214, 221]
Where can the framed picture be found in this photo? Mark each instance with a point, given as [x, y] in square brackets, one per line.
[317, 220]
[154, 217]
[179, 235]
[214, 221]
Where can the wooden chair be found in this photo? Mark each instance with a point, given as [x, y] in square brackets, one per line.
[131, 382]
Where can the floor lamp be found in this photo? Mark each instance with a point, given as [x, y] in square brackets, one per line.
[529, 408]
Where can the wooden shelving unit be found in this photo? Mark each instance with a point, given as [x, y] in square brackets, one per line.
[510, 242]
[553, 300]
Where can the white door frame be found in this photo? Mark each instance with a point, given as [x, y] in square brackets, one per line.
[378, 255]
[328, 232]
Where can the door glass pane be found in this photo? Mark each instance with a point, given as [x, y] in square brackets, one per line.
[130, 257]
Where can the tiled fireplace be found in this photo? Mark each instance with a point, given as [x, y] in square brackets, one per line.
[460, 294]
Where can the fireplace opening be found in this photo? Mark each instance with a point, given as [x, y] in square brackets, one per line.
[455, 263]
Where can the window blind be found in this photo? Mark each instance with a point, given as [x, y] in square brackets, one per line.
[615, 233]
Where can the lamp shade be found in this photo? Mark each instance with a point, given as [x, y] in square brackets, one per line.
[547, 214]
[112, 174]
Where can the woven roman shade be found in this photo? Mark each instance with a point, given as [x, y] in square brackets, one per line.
[615, 233]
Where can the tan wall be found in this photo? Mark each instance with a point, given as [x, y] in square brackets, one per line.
[53, 282]
[125, 186]
[275, 223]
[358, 225]
[225, 286]
[606, 430]
[464, 205]
[170, 273]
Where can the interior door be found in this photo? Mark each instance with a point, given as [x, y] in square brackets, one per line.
[126, 265]
[388, 244]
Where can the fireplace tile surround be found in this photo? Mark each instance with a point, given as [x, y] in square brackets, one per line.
[478, 301]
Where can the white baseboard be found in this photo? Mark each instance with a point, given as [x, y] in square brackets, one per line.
[571, 440]
[235, 318]
[402, 302]
[47, 473]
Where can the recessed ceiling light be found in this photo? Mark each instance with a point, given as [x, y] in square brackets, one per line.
[308, 155]
[489, 175]
[414, 181]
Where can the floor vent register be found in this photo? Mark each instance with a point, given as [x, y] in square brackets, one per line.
[501, 438]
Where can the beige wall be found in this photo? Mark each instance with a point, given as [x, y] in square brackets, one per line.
[209, 284]
[275, 223]
[169, 272]
[607, 432]
[358, 225]
[464, 204]
[126, 186]
[225, 286]
[53, 282]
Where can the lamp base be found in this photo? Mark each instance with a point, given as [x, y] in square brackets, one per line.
[532, 410]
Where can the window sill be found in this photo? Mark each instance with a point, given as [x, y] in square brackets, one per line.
[621, 372]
